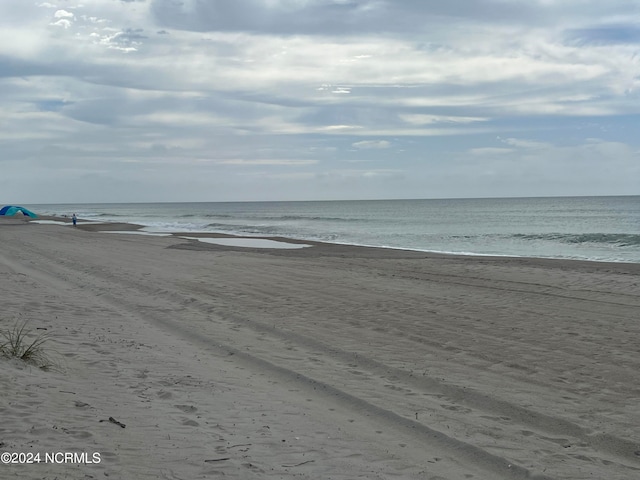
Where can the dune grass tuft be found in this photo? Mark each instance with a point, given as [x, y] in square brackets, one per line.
[20, 342]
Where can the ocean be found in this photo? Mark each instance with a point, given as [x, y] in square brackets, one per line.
[587, 228]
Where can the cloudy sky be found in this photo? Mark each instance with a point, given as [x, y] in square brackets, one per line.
[224, 100]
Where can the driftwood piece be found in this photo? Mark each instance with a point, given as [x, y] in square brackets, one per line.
[113, 420]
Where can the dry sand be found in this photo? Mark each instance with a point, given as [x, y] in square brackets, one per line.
[329, 362]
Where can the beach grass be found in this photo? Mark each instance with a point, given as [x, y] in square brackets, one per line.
[20, 342]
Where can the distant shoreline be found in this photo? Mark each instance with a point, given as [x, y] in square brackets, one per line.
[96, 226]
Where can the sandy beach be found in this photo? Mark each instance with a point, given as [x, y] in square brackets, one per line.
[326, 362]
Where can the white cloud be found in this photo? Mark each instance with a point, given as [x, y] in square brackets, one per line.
[64, 23]
[372, 144]
[335, 128]
[63, 14]
[421, 119]
[520, 143]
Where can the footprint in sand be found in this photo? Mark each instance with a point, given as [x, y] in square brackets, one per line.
[164, 394]
[186, 408]
[80, 434]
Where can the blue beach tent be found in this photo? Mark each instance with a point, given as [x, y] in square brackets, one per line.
[10, 210]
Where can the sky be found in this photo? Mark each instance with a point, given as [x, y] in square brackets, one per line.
[251, 100]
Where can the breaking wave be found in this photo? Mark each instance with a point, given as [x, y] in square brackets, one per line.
[613, 239]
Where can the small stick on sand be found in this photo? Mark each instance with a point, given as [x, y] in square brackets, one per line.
[298, 464]
[113, 420]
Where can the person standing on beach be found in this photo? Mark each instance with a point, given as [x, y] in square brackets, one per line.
[74, 219]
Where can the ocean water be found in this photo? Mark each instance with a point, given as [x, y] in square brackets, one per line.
[589, 228]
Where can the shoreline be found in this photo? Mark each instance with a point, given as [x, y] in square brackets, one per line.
[592, 229]
[95, 226]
